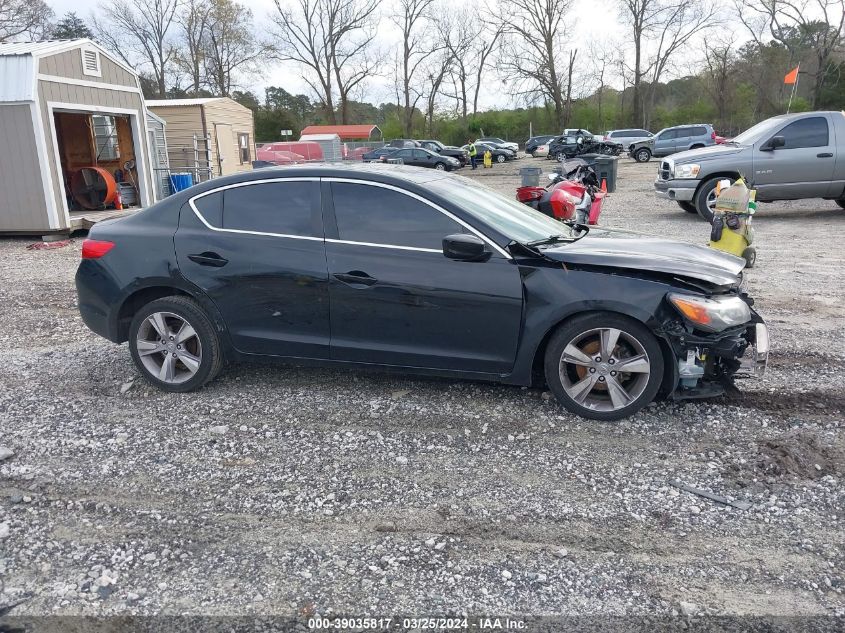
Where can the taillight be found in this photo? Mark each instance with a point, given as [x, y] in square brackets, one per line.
[94, 249]
[713, 135]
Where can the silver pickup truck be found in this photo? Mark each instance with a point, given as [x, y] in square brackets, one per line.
[786, 157]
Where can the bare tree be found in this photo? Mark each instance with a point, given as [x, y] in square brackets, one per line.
[229, 45]
[353, 58]
[660, 29]
[815, 28]
[139, 31]
[534, 40]
[604, 59]
[331, 40]
[411, 16]
[193, 22]
[24, 18]
[438, 69]
[719, 59]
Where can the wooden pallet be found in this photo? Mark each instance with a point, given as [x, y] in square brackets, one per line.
[84, 220]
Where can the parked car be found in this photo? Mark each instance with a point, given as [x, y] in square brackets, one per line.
[366, 266]
[536, 141]
[419, 157]
[563, 147]
[627, 137]
[493, 140]
[787, 157]
[403, 142]
[356, 153]
[445, 150]
[378, 154]
[541, 151]
[673, 139]
[500, 154]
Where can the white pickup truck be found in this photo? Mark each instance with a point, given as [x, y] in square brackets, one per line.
[787, 157]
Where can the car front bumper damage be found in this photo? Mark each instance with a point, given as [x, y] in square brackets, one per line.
[708, 363]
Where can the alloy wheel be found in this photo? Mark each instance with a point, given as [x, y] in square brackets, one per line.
[440, 167]
[604, 369]
[500, 158]
[169, 348]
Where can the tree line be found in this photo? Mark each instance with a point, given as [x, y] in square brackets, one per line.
[679, 60]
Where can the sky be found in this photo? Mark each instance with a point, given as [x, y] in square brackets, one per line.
[593, 19]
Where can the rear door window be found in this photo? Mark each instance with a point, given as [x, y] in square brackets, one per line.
[376, 215]
[809, 132]
[284, 208]
[698, 131]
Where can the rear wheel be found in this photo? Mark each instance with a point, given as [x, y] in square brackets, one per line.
[841, 203]
[500, 158]
[642, 155]
[174, 344]
[689, 207]
[603, 366]
[440, 166]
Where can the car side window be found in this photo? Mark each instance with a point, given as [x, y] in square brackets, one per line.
[698, 131]
[641, 133]
[377, 215]
[809, 132]
[682, 132]
[285, 208]
[211, 208]
[420, 155]
[668, 135]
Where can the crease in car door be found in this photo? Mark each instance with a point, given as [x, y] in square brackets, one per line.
[397, 300]
[263, 265]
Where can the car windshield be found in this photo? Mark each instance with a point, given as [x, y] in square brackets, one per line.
[751, 134]
[512, 219]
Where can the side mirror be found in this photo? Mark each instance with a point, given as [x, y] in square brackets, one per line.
[465, 247]
[774, 143]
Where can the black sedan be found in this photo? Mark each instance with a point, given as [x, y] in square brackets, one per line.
[500, 154]
[408, 269]
[419, 157]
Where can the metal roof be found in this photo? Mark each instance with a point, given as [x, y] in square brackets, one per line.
[345, 132]
[38, 48]
[161, 103]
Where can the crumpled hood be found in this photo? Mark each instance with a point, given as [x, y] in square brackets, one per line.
[711, 152]
[626, 249]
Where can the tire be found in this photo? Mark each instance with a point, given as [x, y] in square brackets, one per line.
[560, 157]
[501, 158]
[841, 203]
[697, 146]
[582, 338]
[689, 207]
[200, 357]
[440, 166]
[706, 195]
[750, 256]
[642, 155]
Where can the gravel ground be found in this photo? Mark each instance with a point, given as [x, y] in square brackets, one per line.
[299, 491]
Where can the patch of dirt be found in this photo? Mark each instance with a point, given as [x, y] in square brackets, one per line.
[800, 455]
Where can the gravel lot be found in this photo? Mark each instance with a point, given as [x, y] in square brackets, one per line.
[300, 491]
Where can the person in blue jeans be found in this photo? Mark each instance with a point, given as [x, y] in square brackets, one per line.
[473, 154]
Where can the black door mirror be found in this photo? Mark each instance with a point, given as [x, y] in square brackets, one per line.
[774, 143]
[465, 247]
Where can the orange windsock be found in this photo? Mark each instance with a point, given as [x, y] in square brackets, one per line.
[792, 76]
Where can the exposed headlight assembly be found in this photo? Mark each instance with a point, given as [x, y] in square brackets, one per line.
[714, 314]
[687, 171]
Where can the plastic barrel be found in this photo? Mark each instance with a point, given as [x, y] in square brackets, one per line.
[181, 181]
[530, 176]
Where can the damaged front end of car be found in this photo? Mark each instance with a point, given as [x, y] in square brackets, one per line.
[714, 339]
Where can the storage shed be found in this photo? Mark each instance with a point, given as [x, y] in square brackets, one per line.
[330, 144]
[207, 137]
[68, 108]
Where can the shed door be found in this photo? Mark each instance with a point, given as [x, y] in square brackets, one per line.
[227, 151]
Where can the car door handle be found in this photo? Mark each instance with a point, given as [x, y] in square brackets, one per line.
[824, 155]
[356, 277]
[209, 259]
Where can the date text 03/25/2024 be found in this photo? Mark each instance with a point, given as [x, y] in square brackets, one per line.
[417, 624]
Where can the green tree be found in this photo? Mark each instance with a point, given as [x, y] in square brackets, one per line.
[70, 27]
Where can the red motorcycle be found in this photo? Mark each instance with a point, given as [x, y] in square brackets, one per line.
[573, 194]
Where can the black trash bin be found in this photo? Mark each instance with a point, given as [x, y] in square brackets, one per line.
[606, 169]
[530, 176]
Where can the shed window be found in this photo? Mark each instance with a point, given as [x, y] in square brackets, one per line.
[105, 137]
[243, 148]
[91, 62]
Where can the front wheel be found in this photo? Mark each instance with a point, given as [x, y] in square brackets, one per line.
[500, 158]
[174, 344]
[705, 198]
[841, 203]
[560, 157]
[642, 155]
[603, 366]
[440, 167]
